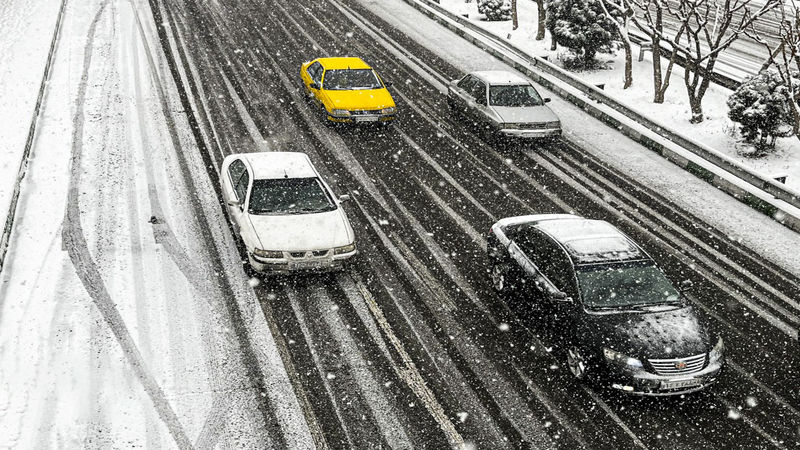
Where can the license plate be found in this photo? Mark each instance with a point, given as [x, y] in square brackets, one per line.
[681, 384]
[367, 119]
[310, 265]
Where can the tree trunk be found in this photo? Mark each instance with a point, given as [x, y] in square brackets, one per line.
[514, 19]
[697, 109]
[542, 18]
[626, 44]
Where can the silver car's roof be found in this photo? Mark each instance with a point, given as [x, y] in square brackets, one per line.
[499, 77]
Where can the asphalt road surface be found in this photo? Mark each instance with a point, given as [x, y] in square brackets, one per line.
[410, 347]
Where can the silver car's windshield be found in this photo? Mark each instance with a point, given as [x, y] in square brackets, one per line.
[346, 79]
[514, 95]
[625, 285]
[289, 196]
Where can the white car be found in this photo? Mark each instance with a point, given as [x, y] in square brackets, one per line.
[287, 216]
[505, 102]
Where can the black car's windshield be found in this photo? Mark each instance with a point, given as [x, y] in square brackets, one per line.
[514, 95]
[289, 196]
[346, 79]
[625, 285]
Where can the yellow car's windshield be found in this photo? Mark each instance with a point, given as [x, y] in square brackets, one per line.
[351, 79]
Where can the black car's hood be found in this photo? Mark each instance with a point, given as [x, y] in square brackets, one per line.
[669, 333]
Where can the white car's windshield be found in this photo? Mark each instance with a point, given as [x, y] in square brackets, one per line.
[624, 285]
[514, 95]
[346, 79]
[289, 196]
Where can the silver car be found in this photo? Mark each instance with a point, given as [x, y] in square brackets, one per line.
[505, 102]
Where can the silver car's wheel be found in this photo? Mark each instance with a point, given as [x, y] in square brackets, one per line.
[499, 277]
[576, 363]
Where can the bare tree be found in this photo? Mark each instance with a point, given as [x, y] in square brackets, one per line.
[710, 27]
[652, 23]
[621, 18]
[784, 54]
[541, 12]
[514, 18]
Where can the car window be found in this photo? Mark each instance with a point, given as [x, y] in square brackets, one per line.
[235, 171]
[514, 95]
[551, 260]
[479, 92]
[346, 79]
[315, 71]
[241, 186]
[290, 196]
[467, 83]
[624, 285]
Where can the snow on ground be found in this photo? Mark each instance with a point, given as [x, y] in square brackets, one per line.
[716, 131]
[26, 29]
[113, 332]
[715, 207]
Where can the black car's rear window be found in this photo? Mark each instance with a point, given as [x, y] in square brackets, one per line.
[625, 284]
[289, 196]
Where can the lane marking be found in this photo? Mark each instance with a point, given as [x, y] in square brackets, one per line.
[465, 226]
[775, 443]
[615, 417]
[258, 139]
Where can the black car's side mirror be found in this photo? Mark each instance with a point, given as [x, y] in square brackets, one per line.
[547, 99]
[686, 285]
[314, 86]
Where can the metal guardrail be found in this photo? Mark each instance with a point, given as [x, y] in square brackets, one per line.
[749, 176]
[23, 166]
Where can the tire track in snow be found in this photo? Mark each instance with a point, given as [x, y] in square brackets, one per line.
[88, 272]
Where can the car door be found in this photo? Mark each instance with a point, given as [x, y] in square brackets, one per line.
[477, 109]
[314, 73]
[239, 179]
[462, 92]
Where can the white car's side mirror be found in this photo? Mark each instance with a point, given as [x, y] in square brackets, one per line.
[344, 198]
[234, 202]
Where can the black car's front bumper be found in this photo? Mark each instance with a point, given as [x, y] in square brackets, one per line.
[643, 382]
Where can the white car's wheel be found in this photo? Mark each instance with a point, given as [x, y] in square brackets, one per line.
[576, 363]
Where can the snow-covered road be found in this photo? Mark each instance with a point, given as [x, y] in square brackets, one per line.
[119, 325]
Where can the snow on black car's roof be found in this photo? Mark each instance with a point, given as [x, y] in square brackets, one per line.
[590, 241]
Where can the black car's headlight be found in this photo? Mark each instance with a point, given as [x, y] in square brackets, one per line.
[271, 254]
[622, 359]
[716, 353]
[344, 249]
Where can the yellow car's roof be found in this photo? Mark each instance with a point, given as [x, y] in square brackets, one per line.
[344, 62]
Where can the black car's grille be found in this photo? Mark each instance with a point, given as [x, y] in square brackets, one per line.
[679, 366]
[365, 112]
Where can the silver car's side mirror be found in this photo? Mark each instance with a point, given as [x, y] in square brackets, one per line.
[344, 197]
[560, 296]
[686, 285]
[314, 85]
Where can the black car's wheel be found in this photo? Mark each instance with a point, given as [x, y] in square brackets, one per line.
[499, 275]
[576, 363]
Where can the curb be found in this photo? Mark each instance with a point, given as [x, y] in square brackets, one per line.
[751, 188]
[23, 165]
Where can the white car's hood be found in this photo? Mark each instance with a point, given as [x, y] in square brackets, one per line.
[514, 114]
[298, 232]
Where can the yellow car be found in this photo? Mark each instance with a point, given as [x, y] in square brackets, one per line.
[348, 90]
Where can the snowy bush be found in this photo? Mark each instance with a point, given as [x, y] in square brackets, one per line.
[761, 105]
[495, 9]
[582, 26]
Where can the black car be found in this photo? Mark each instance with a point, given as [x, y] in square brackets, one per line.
[620, 317]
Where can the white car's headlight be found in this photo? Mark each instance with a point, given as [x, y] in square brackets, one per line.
[618, 357]
[344, 249]
[509, 126]
[340, 112]
[716, 353]
[389, 110]
[272, 254]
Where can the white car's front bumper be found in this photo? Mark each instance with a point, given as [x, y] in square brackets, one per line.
[305, 261]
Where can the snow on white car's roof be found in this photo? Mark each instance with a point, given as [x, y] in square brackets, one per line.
[499, 77]
[267, 165]
[591, 240]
